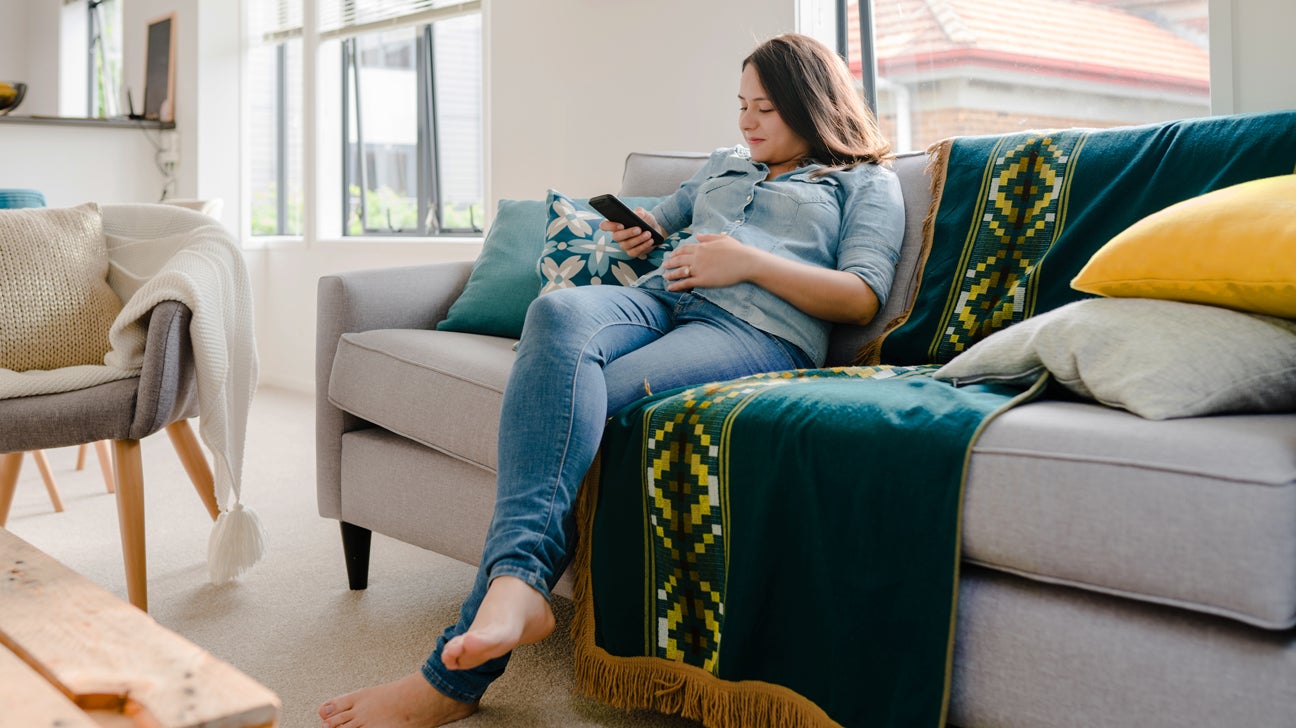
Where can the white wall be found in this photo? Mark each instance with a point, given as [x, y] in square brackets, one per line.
[1255, 74]
[75, 164]
[13, 40]
[576, 85]
[29, 47]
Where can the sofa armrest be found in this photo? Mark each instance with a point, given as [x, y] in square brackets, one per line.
[412, 297]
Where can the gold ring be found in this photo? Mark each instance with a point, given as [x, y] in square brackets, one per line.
[686, 271]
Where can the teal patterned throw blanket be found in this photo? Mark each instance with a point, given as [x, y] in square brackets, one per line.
[783, 549]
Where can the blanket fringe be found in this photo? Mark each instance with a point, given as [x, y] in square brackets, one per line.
[870, 354]
[237, 542]
[651, 683]
[632, 683]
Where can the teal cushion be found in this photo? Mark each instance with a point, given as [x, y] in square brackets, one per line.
[577, 253]
[13, 199]
[503, 280]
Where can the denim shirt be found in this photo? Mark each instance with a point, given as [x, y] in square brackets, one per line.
[849, 220]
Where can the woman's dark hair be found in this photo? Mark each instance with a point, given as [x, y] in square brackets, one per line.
[813, 92]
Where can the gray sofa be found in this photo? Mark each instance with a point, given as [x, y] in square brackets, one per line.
[1119, 571]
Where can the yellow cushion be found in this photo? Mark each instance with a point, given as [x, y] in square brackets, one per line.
[1234, 247]
[55, 303]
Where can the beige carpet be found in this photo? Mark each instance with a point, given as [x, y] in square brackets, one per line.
[291, 623]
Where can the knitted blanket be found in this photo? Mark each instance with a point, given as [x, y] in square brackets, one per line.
[161, 253]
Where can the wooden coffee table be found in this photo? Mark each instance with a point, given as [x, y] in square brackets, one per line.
[72, 654]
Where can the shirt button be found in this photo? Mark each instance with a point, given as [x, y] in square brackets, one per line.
[749, 198]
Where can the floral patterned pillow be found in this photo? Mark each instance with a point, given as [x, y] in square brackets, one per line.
[577, 253]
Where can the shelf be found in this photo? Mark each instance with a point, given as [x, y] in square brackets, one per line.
[87, 121]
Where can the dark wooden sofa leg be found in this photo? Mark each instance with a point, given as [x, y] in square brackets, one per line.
[355, 547]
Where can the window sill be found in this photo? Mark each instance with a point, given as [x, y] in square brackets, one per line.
[289, 242]
[102, 123]
[372, 240]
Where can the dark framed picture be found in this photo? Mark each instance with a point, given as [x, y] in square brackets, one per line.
[159, 69]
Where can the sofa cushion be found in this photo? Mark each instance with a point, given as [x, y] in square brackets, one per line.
[1198, 513]
[1193, 251]
[443, 389]
[846, 340]
[55, 303]
[503, 280]
[577, 253]
[1157, 359]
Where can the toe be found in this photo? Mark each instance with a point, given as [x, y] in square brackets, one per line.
[337, 712]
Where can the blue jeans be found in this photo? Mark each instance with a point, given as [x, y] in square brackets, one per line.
[585, 354]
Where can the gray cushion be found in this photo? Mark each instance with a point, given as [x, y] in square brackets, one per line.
[440, 388]
[846, 340]
[1158, 359]
[1197, 512]
[649, 174]
[44, 421]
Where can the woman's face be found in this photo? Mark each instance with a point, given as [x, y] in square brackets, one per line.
[771, 141]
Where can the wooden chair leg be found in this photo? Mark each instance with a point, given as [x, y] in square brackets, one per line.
[105, 463]
[47, 475]
[195, 464]
[81, 452]
[130, 518]
[10, 466]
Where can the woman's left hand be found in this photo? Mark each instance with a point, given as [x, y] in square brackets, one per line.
[710, 261]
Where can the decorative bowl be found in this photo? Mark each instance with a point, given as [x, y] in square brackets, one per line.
[11, 94]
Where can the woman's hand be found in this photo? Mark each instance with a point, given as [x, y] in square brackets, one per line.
[710, 261]
[719, 260]
[635, 242]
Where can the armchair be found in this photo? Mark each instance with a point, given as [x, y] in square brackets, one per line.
[162, 395]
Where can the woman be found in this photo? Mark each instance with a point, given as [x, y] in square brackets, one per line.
[798, 228]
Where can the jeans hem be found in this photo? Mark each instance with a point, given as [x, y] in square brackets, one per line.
[528, 576]
[442, 684]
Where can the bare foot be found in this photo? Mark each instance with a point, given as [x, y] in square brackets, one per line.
[511, 614]
[406, 703]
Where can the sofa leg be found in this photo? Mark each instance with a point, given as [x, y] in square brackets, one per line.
[355, 547]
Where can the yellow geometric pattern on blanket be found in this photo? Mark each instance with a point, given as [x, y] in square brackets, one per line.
[1021, 211]
[686, 489]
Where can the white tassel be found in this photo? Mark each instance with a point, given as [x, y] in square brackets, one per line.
[237, 542]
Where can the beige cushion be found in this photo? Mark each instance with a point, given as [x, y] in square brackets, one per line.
[55, 302]
[1157, 359]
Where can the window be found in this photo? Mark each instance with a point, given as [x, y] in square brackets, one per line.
[104, 61]
[273, 81]
[397, 92]
[412, 130]
[960, 67]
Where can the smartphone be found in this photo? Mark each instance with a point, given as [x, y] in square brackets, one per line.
[615, 210]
